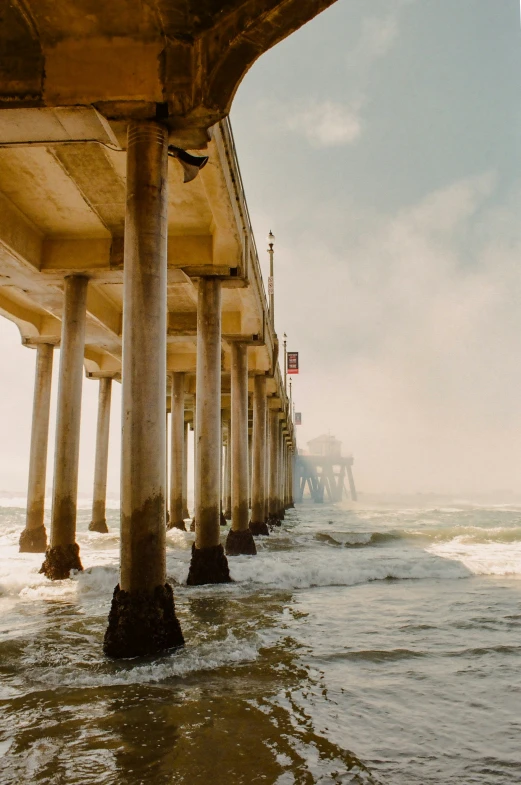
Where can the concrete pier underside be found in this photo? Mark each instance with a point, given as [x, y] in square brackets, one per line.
[93, 235]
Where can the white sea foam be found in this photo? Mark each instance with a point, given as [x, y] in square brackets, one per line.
[83, 503]
[283, 569]
[492, 558]
[190, 659]
[300, 570]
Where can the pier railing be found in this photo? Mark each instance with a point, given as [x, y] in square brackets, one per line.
[222, 135]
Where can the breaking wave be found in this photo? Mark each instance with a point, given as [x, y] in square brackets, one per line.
[470, 534]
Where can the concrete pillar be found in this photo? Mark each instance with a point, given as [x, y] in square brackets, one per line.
[250, 460]
[291, 466]
[258, 523]
[142, 618]
[223, 459]
[33, 539]
[186, 513]
[224, 448]
[167, 512]
[208, 563]
[284, 478]
[240, 539]
[64, 553]
[194, 426]
[286, 475]
[177, 455]
[99, 498]
[273, 492]
[352, 488]
[281, 476]
[228, 472]
[281, 465]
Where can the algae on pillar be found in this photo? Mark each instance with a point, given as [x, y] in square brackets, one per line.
[63, 555]
[142, 617]
[258, 523]
[99, 498]
[240, 539]
[33, 539]
[177, 452]
[208, 563]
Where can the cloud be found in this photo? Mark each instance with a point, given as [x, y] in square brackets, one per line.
[326, 123]
[408, 326]
[377, 38]
[334, 123]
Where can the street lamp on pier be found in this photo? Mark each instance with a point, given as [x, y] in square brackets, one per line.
[271, 287]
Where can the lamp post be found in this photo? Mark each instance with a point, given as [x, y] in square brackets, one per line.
[291, 401]
[271, 288]
[285, 365]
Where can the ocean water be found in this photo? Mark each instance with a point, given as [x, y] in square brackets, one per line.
[368, 644]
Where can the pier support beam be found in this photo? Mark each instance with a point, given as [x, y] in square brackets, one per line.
[240, 539]
[273, 482]
[194, 457]
[99, 499]
[142, 618]
[177, 457]
[291, 466]
[186, 513]
[33, 539]
[224, 449]
[352, 488]
[64, 553]
[280, 482]
[208, 563]
[228, 472]
[258, 523]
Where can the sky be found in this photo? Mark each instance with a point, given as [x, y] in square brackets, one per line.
[381, 144]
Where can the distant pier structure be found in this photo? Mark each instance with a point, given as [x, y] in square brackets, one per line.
[323, 470]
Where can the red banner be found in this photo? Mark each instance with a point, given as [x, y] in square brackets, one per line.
[292, 362]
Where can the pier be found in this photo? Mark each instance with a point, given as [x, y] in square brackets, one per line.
[125, 240]
[322, 471]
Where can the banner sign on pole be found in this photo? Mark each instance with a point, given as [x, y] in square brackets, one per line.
[298, 418]
[292, 362]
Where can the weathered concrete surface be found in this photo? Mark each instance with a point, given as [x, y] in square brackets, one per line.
[207, 564]
[186, 513]
[60, 560]
[63, 549]
[228, 472]
[240, 539]
[258, 523]
[191, 56]
[99, 498]
[34, 538]
[142, 612]
[177, 453]
[273, 476]
[141, 623]
[240, 543]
